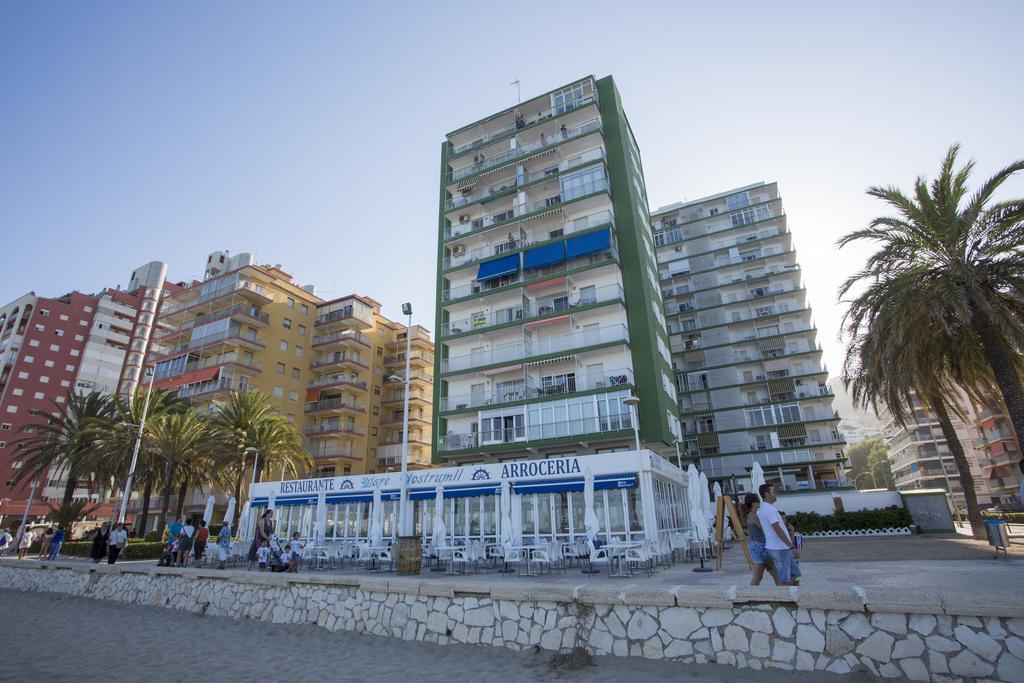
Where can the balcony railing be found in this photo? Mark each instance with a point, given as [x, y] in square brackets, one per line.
[546, 114]
[547, 430]
[399, 358]
[336, 358]
[218, 292]
[399, 396]
[511, 353]
[238, 309]
[521, 209]
[213, 361]
[335, 404]
[524, 150]
[476, 287]
[341, 335]
[217, 385]
[539, 308]
[357, 313]
[333, 427]
[539, 387]
[218, 337]
[333, 380]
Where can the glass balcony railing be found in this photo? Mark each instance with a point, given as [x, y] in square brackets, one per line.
[233, 335]
[333, 427]
[484, 164]
[174, 370]
[341, 336]
[335, 404]
[523, 276]
[337, 358]
[544, 306]
[222, 384]
[541, 346]
[232, 287]
[338, 380]
[546, 430]
[540, 387]
[238, 309]
[399, 358]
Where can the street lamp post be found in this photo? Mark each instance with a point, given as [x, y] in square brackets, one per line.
[633, 402]
[255, 453]
[28, 506]
[135, 451]
[679, 456]
[403, 522]
[873, 482]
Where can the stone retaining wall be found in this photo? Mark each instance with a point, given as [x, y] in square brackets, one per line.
[924, 636]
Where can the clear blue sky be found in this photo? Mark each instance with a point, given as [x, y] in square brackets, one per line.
[309, 133]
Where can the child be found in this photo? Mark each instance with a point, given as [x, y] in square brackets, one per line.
[297, 547]
[797, 541]
[262, 554]
[167, 557]
[287, 561]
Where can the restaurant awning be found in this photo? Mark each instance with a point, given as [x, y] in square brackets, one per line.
[575, 485]
[201, 375]
[588, 244]
[498, 267]
[547, 255]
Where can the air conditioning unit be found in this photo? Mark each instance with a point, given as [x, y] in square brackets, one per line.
[459, 250]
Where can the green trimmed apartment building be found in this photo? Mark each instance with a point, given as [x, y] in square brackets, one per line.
[752, 387]
[549, 309]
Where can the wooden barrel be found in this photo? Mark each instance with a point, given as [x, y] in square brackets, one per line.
[407, 555]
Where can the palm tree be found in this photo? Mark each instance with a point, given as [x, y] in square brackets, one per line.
[68, 444]
[119, 434]
[279, 447]
[959, 256]
[180, 442]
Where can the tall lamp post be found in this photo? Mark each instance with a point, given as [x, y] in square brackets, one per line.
[633, 402]
[403, 522]
[135, 450]
[873, 482]
[35, 481]
[679, 456]
[255, 453]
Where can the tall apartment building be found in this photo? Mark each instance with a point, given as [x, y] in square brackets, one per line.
[548, 306]
[752, 387]
[920, 458]
[998, 454]
[50, 347]
[324, 364]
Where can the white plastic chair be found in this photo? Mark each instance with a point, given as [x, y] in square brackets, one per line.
[640, 557]
[597, 556]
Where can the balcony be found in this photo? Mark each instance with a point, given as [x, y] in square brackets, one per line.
[333, 428]
[241, 312]
[415, 358]
[525, 150]
[542, 307]
[539, 387]
[337, 381]
[250, 290]
[232, 337]
[523, 277]
[332, 450]
[341, 338]
[543, 346]
[419, 335]
[398, 396]
[586, 426]
[522, 209]
[360, 317]
[459, 150]
[398, 418]
[338, 359]
[334, 405]
[174, 370]
[396, 439]
[207, 390]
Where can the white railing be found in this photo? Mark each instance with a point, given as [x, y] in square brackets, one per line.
[330, 380]
[213, 361]
[546, 430]
[541, 346]
[537, 387]
[335, 404]
[347, 335]
[542, 116]
[220, 291]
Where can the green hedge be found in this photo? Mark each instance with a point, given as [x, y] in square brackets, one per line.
[1015, 517]
[811, 522]
[137, 549]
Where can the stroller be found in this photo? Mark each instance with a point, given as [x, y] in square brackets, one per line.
[167, 557]
[274, 562]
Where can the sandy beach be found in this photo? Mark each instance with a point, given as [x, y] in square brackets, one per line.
[73, 638]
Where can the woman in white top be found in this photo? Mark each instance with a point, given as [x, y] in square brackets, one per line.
[25, 543]
[118, 540]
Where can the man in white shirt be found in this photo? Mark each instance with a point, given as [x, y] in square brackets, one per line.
[777, 541]
[116, 543]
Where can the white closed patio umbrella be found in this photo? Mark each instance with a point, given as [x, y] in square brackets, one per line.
[717, 491]
[756, 478]
[700, 524]
[243, 522]
[507, 538]
[320, 525]
[440, 532]
[230, 514]
[376, 530]
[705, 501]
[208, 512]
[590, 521]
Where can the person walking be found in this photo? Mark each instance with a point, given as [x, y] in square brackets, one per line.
[185, 539]
[44, 543]
[202, 537]
[778, 541]
[99, 543]
[224, 544]
[5, 542]
[56, 543]
[755, 544]
[27, 539]
[118, 540]
[264, 530]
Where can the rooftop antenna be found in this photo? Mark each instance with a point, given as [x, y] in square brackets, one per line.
[519, 94]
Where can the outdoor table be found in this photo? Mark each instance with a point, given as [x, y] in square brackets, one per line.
[616, 555]
[451, 559]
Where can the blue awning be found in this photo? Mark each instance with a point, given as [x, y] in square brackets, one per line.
[548, 255]
[498, 267]
[279, 502]
[460, 491]
[588, 244]
[575, 485]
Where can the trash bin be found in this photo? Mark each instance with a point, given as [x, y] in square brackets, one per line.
[998, 536]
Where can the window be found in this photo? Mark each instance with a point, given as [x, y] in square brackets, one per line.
[63, 316]
[12, 409]
[44, 379]
[83, 323]
[376, 410]
[33, 342]
[296, 373]
[293, 396]
[17, 463]
[69, 367]
[39, 396]
[304, 309]
[40, 328]
[283, 345]
[59, 333]
[48, 363]
[287, 323]
[290, 417]
[280, 368]
[29, 359]
[54, 347]
[290, 302]
[278, 392]
[376, 390]
[22, 375]
[298, 352]
[6, 427]
[43, 312]
[65, 383]
[380, 351]
[79, 337]
[19, 392]
[87, 309]
[302, 330]
[373, 431]
[75, 352]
